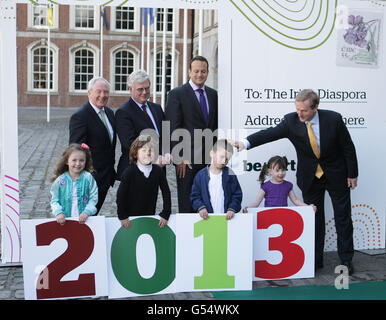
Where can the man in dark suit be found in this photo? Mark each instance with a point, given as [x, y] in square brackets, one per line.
[137, 114]
[326, 161]
[192, 106]
[94, 124]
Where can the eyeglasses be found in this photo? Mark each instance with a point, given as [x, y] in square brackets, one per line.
[147, 89]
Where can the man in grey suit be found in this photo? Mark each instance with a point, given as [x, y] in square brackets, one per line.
[192, 106]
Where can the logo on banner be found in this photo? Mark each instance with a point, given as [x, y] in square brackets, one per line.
[367, 229]
[299, 25]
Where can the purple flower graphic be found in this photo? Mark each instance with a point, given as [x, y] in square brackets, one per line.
[357, 33]
[62, 182]
[85, 199]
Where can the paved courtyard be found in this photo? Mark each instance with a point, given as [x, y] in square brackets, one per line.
[40, 145]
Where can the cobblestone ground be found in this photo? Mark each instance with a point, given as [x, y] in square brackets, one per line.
[40, 145]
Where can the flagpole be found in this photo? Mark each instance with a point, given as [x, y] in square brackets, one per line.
[143, 37]
[185, 48]
[163, 59]
[49, 22]
[155, 58]
[200, 29]
[101, 42]
[148, 42]
[173, 47]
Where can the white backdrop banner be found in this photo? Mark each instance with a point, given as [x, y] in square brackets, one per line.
[270, 50]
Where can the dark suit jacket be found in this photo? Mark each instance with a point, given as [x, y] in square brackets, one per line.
[183, 111]
[87, 127]
[337, 158]
[131, 120]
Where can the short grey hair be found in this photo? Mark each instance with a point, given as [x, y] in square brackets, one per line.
[308, 94]
[94, 80]
[137, 76]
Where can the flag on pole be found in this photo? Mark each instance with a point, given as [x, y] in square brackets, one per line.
[50, 16]
[144, 16]
[106, 22]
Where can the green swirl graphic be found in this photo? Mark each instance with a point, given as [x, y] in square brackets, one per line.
[35, 2]
[279, 24]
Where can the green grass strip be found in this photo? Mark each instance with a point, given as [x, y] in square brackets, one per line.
[356, 291]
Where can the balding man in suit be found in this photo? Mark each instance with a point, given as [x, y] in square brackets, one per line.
[327, 161]
[94, 124]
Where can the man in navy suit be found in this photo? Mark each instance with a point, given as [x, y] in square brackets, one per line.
[137, 114]
[94, 124]
[334, 169]
[192, 108]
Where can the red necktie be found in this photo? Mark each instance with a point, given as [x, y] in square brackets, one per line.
[147, 115]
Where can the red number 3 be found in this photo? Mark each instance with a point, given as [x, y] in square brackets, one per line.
[80, 242]
[293, 254]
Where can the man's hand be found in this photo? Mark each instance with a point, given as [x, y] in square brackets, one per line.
[181, 168]
[352, 182]
[239, 145]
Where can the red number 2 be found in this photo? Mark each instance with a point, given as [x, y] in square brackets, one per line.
[80, 242]
[293, 254]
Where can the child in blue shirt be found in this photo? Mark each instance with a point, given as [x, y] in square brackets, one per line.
[216, 188]
[74, 190]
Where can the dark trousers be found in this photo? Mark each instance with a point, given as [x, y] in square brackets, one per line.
[101, 198]
[341, 203]
[184, 188]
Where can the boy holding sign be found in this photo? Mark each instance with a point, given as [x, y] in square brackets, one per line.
[216, 188]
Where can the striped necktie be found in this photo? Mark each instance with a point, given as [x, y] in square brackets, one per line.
[314, 145]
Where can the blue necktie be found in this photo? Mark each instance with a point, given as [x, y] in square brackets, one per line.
[203, 104]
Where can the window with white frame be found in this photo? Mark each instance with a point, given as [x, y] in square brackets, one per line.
[84, 64]
[37, 16]
[84, 17]
[160, 19]
[168, 72]
[40, 67]
[125, 18]
[123, 66]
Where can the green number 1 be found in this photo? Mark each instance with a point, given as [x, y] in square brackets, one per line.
[215, 233]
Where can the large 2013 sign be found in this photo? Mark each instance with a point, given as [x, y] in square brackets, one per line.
[100, 258]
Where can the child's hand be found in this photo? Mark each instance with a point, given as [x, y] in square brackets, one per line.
[61, 219]
[230, 215]
[204, 214]
[245, 210]
[83, 217]
[126, 223]
[313, 207]
[162, 222]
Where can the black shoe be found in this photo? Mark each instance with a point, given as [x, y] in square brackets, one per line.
[318, 265]
[349, 266]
